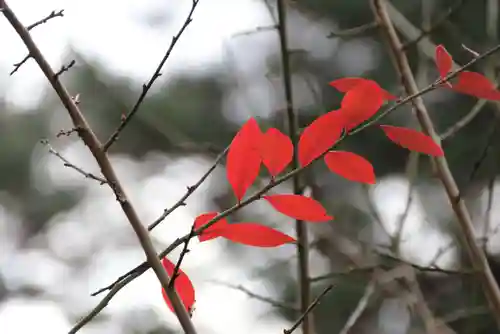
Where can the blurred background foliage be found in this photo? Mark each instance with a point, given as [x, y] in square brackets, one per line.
[196, 114]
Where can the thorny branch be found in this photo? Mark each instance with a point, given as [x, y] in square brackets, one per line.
[360, 307]
[476, 254]
[147, 86]
[95, 146]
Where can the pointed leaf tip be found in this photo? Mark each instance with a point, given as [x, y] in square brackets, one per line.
[299, 207]
[444, 62]
[350, 166]
[477, 85]
[412, 140]
[257, 235]
[243, 158]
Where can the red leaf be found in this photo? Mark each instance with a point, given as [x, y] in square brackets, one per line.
[276, 150]
[243, 158]
[182, 285]
[346, 84]
[319, 136]
[350, 166]
[299, 207]
[477, 85]
[214, 230]
[444, 62]
[412, 140]
[361, 103]
[253, 234]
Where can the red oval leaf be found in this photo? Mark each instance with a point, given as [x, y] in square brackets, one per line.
[476, 84]
[299, 207]
[214, 230]
[361, 103]
[243, 158]
[182, 285]
[276, 150]
[444, 62]
[346, 84]
[350, 166]
[412, 140]
[257, 235]
[319, 136]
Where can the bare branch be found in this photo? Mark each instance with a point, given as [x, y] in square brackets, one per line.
[67, 163]
[147, 86]
[17, 66]
[184, 251]
[293, 126]
[411, 173]
[52, 15]
[94, 145]
[476, 254]
[354, 32]
[445, 17]
[65, 68]
[251, 294]
[308, 310]
[189, 192]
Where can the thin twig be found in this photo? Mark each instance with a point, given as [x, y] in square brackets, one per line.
[17, 66]
[251, 294]
[476, 254]
[300, 227]
[461, 123]
[102, 304]
[52, 15]
[95, 146]
[68, 164]
[65, 68]
[445, 17]
[354, 32]
[184, 252]
[189, 192]
[494, 128]
[308, 310]
[371, 268]
[147, 86]
[487, 213]
[411, 175]
[372, 208]
[360, 307]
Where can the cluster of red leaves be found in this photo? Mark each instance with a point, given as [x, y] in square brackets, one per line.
[470, 83]
[252, 148]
